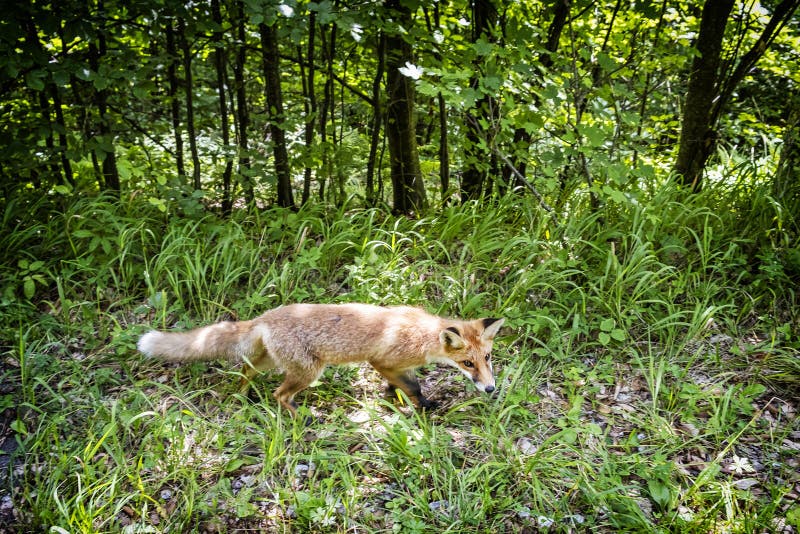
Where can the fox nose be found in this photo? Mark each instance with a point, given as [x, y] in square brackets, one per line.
[489, 389]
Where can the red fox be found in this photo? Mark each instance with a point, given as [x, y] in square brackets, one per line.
[302, 339]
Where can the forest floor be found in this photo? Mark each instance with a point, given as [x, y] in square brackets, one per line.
[591, 427]
[647, 377]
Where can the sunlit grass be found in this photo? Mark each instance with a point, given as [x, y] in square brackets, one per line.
[642, 359]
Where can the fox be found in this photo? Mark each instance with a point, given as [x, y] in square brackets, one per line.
[301, 340]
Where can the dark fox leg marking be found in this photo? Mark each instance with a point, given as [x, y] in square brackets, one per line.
[407, 382]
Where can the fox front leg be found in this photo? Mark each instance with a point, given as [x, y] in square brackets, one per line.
[407, 382]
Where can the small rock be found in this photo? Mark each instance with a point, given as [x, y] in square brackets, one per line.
[437, 505]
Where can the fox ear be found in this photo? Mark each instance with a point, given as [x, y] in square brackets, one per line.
[451, 337]
[491, 327]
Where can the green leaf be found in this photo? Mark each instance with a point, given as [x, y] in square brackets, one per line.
[568, 436]
[607, 325]
[793, 516]
[605, 339]
[483, 47]
[28, 287]
[19, 427]
[84, 74]
[160, 203]
[618, 334]
[615, 194]
[606, 63]
[34, 80]
[659, 492]
[595, 135]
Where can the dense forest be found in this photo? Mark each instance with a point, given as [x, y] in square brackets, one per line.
[620, 181]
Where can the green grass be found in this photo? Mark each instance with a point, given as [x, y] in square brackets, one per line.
[648, 375]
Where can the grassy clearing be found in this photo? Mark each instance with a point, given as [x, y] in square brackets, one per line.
[648, 376]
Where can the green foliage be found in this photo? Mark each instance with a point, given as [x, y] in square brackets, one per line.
[648, 375]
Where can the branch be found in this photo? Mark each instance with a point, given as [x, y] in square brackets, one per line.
[527, 184]
[783, 12]
[363, 96]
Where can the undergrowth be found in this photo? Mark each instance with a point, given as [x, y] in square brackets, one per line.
[648, 375]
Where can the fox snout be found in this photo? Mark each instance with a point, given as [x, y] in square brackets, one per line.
[485, 388]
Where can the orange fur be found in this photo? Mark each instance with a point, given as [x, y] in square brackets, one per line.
[300, 340]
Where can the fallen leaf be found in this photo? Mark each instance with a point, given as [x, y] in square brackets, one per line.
[745, 483]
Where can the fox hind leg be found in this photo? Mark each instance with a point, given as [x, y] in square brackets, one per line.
[295, 380]
[253, 368]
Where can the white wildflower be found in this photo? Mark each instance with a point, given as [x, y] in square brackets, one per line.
[740, 465]
[286, 11]
[355, 32]
[412, 71]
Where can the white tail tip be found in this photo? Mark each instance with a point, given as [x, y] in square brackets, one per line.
[147, 343]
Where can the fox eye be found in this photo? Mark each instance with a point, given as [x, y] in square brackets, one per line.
[468, 363]
[488, 356]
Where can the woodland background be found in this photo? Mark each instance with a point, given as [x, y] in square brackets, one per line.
[618, 179]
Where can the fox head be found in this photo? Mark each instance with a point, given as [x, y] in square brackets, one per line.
[468, 347]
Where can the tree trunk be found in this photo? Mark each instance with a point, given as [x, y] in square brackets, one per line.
[407, 186]
[697, 133]
[175, 109]
[444, 152]
[476, 170]
[33, 43]
[375, 125]
[188, 86]
[62, 135]
[329, 47]
[310, 102]
[219, 65]
[275, 117]
[107, 155]
[242, 117]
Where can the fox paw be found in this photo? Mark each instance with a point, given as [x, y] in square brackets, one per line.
[427, 404]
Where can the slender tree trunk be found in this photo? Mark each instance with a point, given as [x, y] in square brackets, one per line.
[242, 116]
[49, 142]
[476, 170]
[376, 122]
[697, 133]
[275, 117]
[188, 94]
[407, 186]
[109, 159]
[337, 141]
[310, 102]
[175, 108]
[444, 152]
[329, 46]
[62, 136]
[219, 65]
[44, 109]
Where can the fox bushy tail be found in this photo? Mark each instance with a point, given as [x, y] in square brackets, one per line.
[227, 340]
